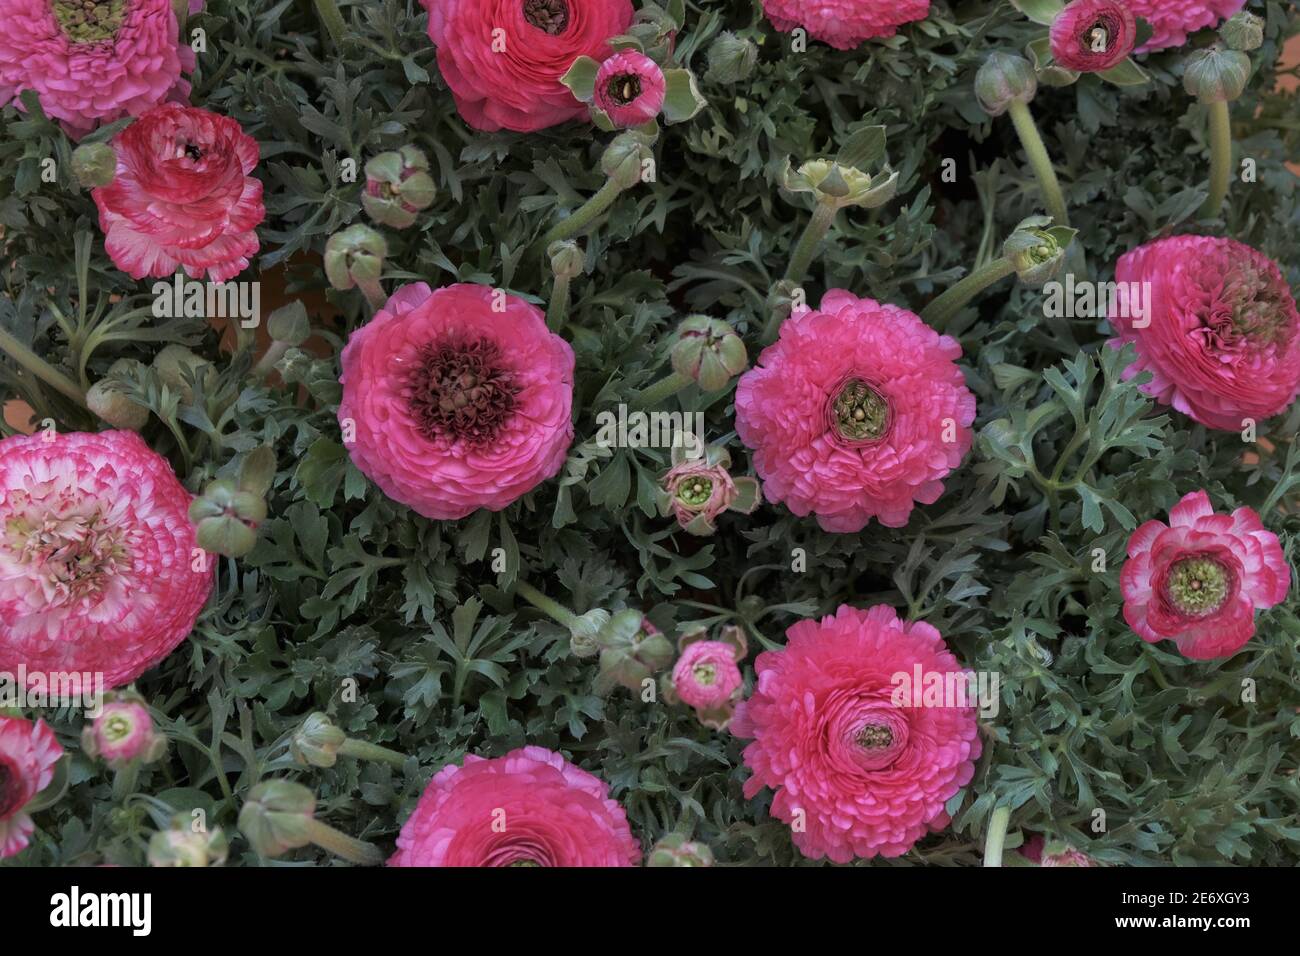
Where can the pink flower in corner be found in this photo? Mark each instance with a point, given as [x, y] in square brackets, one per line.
[629, 88]
[845, 23]
[529, 808]
[1198, 580]
[183, 196]
[1090, 36]
[28, 753]
[1173, 20]
[857, 411]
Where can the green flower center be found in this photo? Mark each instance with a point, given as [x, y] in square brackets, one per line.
[875, 737]
[551, 16]
[1198, 586]
[117, 728]
[861, 413]
[89, 21]
[624, 88]
[705, 674]
[694, 492]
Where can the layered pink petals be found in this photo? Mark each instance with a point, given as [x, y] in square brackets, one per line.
[440, 473]
[706, 676]
[503, 59]
[84, 84]
[183, 196]
[845, 23]
[630, 88]
[856, 775]
[99, 570]
[28, 753]
[529, 808]
[785, 412]
[1093, 35]
[1245, 557]
[1222, 337]
[1173, 20]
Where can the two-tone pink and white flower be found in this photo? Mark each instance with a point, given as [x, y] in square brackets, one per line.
[28, 753]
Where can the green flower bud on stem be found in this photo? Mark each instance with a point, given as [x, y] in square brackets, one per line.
[183, 845]
[355, 257]
[94, 165]
[280, 816]
[566, 262]
[708, 352]
[676, 850]
[1004, 79]
[319, 742]
[398, 186]
[622, 162]
[107, 399]
[1243, 32]
[226, 518]
[1216, 77]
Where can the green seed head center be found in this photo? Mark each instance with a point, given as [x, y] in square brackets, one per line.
[860, 412]
[1198, 586]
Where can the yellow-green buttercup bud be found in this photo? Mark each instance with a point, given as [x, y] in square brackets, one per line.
[280, 816]
[1037, 249]
[226, 518]
[354, 255]
[838, 186]
[175, 363]
[624, 157]
[317, 741]
[107, 398]
[676, 850]
[566, 258]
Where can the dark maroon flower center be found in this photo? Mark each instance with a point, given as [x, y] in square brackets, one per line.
[1100, 38]
[462, 390]
[624, 88]
[89, 21]
[552, 16]
[11, 790]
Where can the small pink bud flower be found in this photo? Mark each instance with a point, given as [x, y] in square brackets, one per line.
[123, 734]
[706, 674]
[1093, 35]
[629, 88]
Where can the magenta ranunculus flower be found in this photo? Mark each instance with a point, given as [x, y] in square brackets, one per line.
[529, 808]
[182, 196]
[99, 569]
[28, 753]
[92, 63]
[630, 88]
[1221, 336]
[1198, 580]
[839, 738]
[503, 59]
[1172, 20]
[706, 676]
[857, 411]
[1089, 36]
[460, 399]
[123, 734]
[845, 23]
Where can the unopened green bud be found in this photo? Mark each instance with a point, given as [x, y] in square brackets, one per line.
[175, 362]
[632, 650]
[188, 843]
[840, 186]
[708, 351]
[1243, 32]
[356, 253]
[1037, 249]
[107, 398]
[94, 164]
[676, 850]
[1005, 78]
[277, 817]
[1216, 75]
[731, 59]
[289, 324]
[317, 741]
[398, 186]
[566, 258]
[623, 158]
[585, 633]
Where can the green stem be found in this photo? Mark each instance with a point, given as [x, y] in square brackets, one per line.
[266, 364]
[802, 256]
[558, 311]
[996, 836]
[1220, 158]
[584, 214]
[373, 290]
[941, 311]
[364, 750]
[340, 844]
[1040, 162]
[665, 388]
[553, 609]
[335, 26]
[41, 369]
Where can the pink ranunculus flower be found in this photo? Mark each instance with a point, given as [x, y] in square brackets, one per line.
[28, 753]
[503, 59]
[460, 399]
[706, 676]
[529, 808]
[630, 88]
[1220, 334]
[857, 411]
[1090, 36]
[99, 570]
[1198, 580]
[92, 64]
[845, 23]
[1173, 20]
[183, 195]
[839, 736]
[123, 734]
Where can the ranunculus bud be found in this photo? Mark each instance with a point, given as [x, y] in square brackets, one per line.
[676, 850]
[731, 58]
[107, 399]
[94, 165]
[226, 518]
[841, 186]
[355, 254]
[398, 186]
[182, 844]
[1243, 32]
[175, 362]
[709, 352]
[317, 741]
[1005, 78]
[584, 635]
[289, 324]
[1216, 75]
[623, 158]
[566, 258]
[697, 490]
[277, 817]
[631, 650]
[1037, 249]
[123, 734]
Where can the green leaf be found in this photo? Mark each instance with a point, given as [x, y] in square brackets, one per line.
[682, 99]
[581, 78]
[1040, 11]
[1126, 73]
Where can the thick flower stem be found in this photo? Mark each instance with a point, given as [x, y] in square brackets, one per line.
[802, 256]
[940, 312]
[41, 369]
[124, 781]
[584, 215]
[558, 310]
[335, 26]
[552, 609]
[1220, 158]
[364, 750]
[373, 290]
[1040, 162]
[665, 388]
[996, 836]
[340, 844]
[266, 364]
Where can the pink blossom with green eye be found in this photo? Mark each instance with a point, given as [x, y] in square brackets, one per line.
[122, 734]
[629, 88]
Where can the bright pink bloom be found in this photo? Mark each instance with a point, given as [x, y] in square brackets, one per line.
[28, 753]
[706, 676]
[857, 411]
[1221, 334]
[120, 62]
[122, 734]
[183, 196]
[845, 23]
[1198, 580]
[97, 556]
[1174, 19]
[503, 59]
[837, 733]
[630, 88]
[460, 400]
[529, 808]
[1093, 35]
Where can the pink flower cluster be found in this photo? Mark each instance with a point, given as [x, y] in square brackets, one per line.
[1173, 20]
[845, 23]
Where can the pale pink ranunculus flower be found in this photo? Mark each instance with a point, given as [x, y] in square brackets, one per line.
[1173, 20]
[850, 757]
[122, 734]
[845, 23]
[99, 569]
[124, 59]
[1198, 580]
[28, 753]
[629, 88]
[529, 808]
[460, 399]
